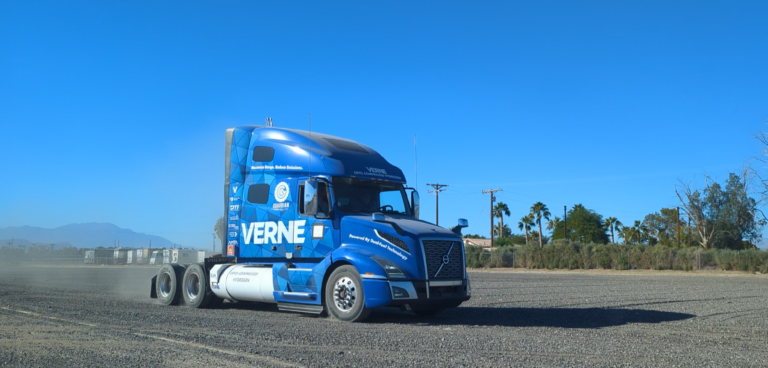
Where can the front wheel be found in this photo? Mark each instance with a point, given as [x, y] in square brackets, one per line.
[344, 295]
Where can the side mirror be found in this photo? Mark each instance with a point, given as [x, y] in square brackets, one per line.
[415, 204]
[462, 224]
[310, 197]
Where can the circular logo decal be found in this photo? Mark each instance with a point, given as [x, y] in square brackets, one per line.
[281, 192]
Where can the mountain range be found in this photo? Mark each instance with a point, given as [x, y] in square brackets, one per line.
[88, 235]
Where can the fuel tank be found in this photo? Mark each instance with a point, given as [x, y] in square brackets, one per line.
[244, 282]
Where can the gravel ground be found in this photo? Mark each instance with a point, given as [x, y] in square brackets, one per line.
[103, 317]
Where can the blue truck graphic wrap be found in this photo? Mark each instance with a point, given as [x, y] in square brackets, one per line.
[321, 224]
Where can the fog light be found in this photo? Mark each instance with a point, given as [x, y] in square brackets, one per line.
[399, 292]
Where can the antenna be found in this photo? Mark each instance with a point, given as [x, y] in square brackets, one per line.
[309, 156]
[415, 163]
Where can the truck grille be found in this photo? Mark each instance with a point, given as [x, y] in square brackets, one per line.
[436, 253]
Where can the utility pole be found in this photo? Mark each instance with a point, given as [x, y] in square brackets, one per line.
[491, 191]
[214, 242]
[438, 189]
[678, 226]
[565, 224]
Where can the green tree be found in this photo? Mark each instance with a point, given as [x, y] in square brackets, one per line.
[722, 217]
[526, 223]
[584, 225]
[612, 223]
[640, 233]
[473, 236]
[498, 229]
[626, 233]
[221, 229]
[539, 210]
[517, 239]
[499, 211]
[662, 226]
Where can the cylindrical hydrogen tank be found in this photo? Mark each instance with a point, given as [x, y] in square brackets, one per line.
[247, 283]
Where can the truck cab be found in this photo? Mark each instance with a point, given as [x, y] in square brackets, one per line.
[321, 224]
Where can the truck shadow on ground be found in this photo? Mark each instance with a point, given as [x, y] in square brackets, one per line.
[531, 317]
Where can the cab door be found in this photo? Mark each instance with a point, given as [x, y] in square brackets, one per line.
[269, 230]
[320, 223]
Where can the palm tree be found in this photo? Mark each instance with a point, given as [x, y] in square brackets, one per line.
[613, 223]
[499, 211]
[626, 233]
[539, 210]
[637, 232]
[552, 224]
[220, 228]
[498, 229]
[526, 223]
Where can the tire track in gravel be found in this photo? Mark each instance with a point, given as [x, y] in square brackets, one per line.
[258, 358]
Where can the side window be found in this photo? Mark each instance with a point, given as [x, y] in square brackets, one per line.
[258, 193]
[301, 198]
[322, 198]
[263, 154]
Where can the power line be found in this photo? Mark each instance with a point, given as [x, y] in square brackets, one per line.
[438, 189]
[491, 191]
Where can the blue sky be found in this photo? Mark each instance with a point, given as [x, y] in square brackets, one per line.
[115, 112]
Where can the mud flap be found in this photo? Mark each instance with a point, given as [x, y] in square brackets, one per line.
[153, 290]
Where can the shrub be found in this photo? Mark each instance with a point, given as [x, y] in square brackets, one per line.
[474, 256]
[561, 254]
[501, 257]
[726, 259]
[750, 260]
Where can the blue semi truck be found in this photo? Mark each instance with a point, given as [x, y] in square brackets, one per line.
[320, 224]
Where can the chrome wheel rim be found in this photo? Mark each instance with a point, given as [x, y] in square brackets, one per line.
[165, 284]
[344, 294]
[193, 286]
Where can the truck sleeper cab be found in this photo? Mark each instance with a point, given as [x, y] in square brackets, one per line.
[315, 224]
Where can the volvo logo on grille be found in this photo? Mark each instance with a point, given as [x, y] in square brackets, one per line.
[446, 259]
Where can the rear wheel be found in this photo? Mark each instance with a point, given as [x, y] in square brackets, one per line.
[195, 289]
[344, 296]
[168, 284]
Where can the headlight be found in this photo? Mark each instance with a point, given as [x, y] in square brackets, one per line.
[393, 272]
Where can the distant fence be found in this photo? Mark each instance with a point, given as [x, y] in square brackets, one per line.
[573, 255]
[46, 260]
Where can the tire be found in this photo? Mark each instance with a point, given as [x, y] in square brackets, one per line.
[344, 295]
[168, 284]
[194, 287]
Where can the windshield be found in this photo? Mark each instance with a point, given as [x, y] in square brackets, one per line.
[357, 195]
